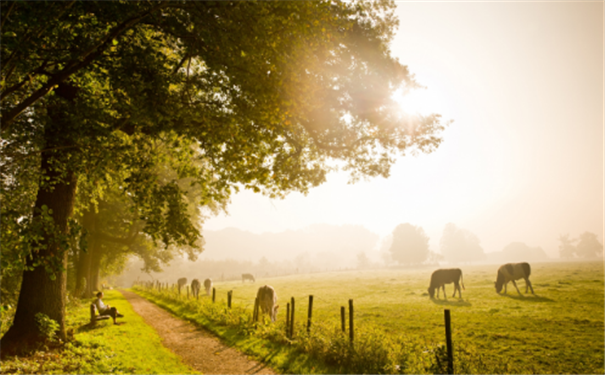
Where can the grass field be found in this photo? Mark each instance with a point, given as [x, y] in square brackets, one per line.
[560, 330]
[130, 348]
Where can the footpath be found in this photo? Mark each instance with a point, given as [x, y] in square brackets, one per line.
[197, 347]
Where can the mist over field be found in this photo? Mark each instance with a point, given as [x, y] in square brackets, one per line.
[318, 248]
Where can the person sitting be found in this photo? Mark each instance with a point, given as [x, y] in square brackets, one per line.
[104, 309]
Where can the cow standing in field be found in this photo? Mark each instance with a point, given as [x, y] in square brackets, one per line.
[247, 276]
[446, 276]
[195, 288]
[267, 301]
[512, 272]
[181, 283]
[208, 286]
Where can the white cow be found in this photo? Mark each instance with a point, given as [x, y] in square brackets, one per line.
[267, 301]
[208, 286]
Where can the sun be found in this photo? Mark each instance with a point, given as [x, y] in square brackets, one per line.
[416, 102]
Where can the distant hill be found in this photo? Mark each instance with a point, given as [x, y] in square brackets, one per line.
[318, 240]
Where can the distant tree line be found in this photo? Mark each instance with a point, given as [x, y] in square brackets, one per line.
[410, 246]
[584, 246]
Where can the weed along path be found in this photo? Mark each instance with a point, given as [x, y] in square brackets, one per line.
[198, 348]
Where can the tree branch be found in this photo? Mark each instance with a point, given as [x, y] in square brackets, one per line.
[82, 61]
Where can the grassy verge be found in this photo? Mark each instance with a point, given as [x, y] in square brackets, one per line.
[325, 349]
[130, 348]
[263, 342]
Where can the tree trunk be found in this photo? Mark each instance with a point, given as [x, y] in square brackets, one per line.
[44, 285]
[41, 291]
[82, 271]
[95, 268]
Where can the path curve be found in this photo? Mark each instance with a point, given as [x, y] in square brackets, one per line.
[197, 347]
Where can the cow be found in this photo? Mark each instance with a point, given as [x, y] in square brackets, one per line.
[208, 286]
[446, 276]
[195, 288]
[267, 301]
[247, 276]
[181, 283]
[511, 272]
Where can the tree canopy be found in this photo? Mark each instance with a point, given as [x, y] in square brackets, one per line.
[259, 95]
[460, 245]
[589, 246]
[410, 244]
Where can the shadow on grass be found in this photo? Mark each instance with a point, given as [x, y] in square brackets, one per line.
[445, 302]
[89, 327]
[528, 298]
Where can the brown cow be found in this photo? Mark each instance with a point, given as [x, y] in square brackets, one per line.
[267, 301]
[446, 276]
[511, 272]
[195, 288]
[181, 283]
[247, 276]
[208, 286]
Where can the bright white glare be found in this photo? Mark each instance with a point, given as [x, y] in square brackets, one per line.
[419, 101]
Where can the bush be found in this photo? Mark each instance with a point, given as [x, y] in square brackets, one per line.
[47, 327]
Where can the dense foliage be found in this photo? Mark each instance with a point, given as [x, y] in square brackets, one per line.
[125, 102]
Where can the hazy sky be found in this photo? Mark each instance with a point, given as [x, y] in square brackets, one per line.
[523, 158]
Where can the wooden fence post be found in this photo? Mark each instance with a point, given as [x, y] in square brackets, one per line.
[342, 318]
[229, 295]
[310, 315]
[351, 332]
[255, 312]
[292, 319]
[213, 294]
[187, 291]
[448, 340]
[288, 320]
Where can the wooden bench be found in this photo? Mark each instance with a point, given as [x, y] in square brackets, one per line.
[94, 317]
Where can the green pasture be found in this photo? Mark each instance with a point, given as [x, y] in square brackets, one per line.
[559, 330]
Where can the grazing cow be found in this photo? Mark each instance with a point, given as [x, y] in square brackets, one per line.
[267, 301]
[446, 276]
[195, 288]
[512, 272]
[181, 283]
[247, 276]
[208, 286]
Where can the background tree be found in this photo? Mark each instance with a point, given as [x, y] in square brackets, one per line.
[589, 246]
[460, 245]
[363, 262]
[521, 252]
[566, 247]
[410, 244]
[95, 86]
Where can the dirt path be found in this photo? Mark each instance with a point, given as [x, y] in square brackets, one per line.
[198, 347]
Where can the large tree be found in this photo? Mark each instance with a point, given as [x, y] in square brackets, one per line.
[410, 244]
[589, 246]
[567, 249]
[261, 94]
[460, 245]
